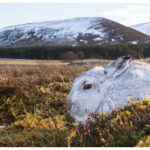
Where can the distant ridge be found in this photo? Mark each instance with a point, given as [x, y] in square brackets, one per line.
[72, 32]
[143, 27]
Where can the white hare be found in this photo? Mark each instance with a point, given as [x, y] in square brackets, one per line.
[105, 88]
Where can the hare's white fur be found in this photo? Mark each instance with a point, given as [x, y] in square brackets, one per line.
[111, 86]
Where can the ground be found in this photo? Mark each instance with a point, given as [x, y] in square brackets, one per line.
[33, 109]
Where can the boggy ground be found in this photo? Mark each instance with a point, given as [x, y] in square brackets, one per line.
[33, 111]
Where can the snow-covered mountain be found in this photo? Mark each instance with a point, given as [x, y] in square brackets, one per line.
[76, 31]
[144, 28]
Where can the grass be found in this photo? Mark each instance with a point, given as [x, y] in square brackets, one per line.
[33, 109]
[31, 62]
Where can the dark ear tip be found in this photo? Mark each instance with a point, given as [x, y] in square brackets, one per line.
[127, 57]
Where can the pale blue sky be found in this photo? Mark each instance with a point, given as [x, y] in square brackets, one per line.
[127, 14]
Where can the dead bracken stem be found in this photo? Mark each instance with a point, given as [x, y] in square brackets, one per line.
[10, 139]
[53, 119]
[136, 114]
[56, 127]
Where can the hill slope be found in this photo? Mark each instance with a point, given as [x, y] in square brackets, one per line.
[77, 31]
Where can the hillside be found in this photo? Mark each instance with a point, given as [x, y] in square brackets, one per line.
[72, 32]
[144, 28]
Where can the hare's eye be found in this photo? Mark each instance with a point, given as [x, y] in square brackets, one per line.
[87, 86]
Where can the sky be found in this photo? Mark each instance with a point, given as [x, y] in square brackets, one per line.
[124, 13]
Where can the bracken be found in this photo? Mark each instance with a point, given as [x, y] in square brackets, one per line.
[33, 109]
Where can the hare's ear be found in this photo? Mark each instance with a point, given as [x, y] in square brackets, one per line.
[117, 67]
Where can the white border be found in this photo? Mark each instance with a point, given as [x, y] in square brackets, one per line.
[74, 1]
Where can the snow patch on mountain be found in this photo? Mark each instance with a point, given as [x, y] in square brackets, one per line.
[73, 32]
[134, 42]
[49, 31]
[97, 39]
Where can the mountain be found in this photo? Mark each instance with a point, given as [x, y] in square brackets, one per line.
[76, 31]
[144, 28]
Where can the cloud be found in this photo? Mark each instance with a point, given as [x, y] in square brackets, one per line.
[129, 14]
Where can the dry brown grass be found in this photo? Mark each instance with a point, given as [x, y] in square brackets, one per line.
[32, 62]
[20, 62]
[28, 84]
[30, 76]
[33, 102]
